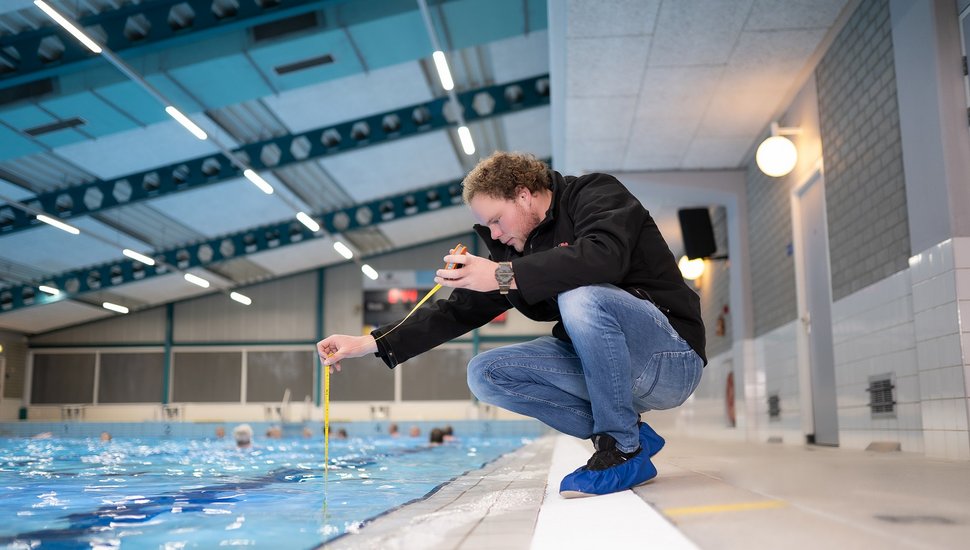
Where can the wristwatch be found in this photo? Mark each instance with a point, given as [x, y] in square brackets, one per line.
[504, 275]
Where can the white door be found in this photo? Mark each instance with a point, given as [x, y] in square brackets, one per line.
[815, 310]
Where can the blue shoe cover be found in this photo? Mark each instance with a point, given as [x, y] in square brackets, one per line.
[650, 440]
[585, 482]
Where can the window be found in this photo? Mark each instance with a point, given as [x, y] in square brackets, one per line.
[62, 378]
[270, 373]
[207, 377]
[131, 377]
[440, 374]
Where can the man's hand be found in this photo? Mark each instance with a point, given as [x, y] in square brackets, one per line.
[336, 347]
[477, 273]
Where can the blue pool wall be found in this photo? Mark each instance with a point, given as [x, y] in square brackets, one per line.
[206, 430]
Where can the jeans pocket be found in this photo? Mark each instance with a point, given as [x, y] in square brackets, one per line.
[644, 384]
[668, 379]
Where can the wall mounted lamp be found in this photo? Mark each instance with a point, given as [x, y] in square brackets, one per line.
[691, 269]
[777, 155]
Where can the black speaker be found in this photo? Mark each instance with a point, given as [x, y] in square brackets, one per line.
[698, 234]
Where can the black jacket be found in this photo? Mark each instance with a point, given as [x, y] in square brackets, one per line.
[594, 232]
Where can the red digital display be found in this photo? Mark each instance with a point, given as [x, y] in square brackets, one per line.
[402, 295]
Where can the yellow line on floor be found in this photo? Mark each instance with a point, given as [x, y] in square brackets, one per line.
[718, 508]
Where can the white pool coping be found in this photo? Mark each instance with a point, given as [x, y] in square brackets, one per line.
[619, 520]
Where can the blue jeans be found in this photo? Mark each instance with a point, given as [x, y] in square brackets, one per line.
[624, 359]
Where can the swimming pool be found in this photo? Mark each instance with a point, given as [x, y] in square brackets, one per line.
[188, 493]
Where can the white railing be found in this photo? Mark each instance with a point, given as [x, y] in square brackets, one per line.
[173, 413]
[72, 412]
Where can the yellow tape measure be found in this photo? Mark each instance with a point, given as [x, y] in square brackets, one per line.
[326, 434]
[459, 250]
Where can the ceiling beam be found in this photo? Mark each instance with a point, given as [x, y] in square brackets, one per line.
[274, 153]
[167, 24]
[236, 245]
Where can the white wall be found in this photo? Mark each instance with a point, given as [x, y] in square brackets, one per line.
[874, 334]
[266, 412]
[941, 309]
[705, 412]
[912, 325]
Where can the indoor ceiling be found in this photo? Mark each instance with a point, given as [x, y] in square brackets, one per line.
[648, 86]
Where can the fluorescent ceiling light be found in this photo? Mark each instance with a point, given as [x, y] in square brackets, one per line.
[114, 307]
[263, 185]
[241, 298]
[443, 73]
[62, 21]
[184, 121]
[139, 257]
[59, 224]
[196, 280]
[49, 289]
[369, 271]
[308, 221]
[466, 140]
[342, 249]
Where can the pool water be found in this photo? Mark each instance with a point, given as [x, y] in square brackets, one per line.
[181, 493]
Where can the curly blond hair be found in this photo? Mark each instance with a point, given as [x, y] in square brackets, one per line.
[502, 173]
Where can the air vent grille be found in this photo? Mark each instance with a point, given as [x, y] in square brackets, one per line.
[881, 400]
[305, 64]
[283, 27]
[54, 126]
[28, 90]
[774, 407]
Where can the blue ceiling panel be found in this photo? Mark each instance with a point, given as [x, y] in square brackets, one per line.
[393, 40]
[334, 43]
[61, 137]
[472, 22]
[109, 83]
[135, 101]
[224, 208]
[15, 192]
[220, 82]
[174, 93]
[13, 145]
[100, 119]
[23, 117]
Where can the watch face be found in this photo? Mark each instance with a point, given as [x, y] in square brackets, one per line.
[503, 274]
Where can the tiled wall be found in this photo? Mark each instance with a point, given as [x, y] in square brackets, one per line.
[873, 333]
[777, 357]
[913, 326]
[941, 307]
[775, 370]
[894, 313]
[772, 265]
[705, 412]
[865, 191]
